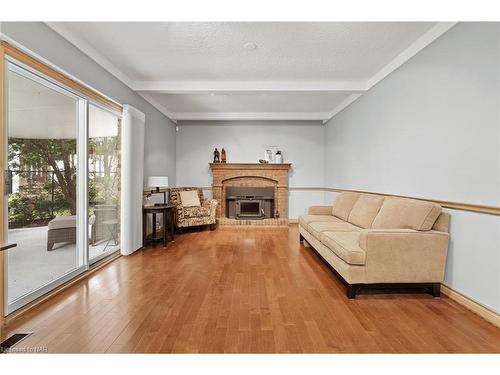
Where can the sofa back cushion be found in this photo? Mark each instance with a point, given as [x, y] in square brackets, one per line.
[344, 204]
[365, 210]
[403, 213]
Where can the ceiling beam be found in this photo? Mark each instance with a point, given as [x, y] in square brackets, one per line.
[209, 116]
[201, 87]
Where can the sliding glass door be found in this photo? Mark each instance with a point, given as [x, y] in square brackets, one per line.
[104, 182]
[63, 178]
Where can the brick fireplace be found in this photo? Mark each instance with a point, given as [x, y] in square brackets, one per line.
[251, 175]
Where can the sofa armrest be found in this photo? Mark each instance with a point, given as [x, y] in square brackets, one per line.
[404, 255]
[320, 210]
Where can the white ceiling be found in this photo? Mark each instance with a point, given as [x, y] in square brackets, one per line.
[215, 51]
[310, 69]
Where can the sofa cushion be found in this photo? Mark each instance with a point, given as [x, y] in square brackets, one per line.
[317, 227]
[305, 220]
[60, 222]
[343, 204]
[365, 210]
[345, 245]
[196, 211]
[190, 198]
[402, 213]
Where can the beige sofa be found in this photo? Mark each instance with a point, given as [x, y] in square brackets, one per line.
[380, 241]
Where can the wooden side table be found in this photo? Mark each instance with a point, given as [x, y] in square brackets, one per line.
[168, 211]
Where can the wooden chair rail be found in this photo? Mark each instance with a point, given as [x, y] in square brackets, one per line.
[472, 207]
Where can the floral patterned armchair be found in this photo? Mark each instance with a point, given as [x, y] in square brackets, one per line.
[193, 216]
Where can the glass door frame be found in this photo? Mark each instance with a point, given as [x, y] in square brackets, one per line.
[11, 64]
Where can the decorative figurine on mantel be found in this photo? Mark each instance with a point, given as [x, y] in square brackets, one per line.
[216, 156]
[223, 156]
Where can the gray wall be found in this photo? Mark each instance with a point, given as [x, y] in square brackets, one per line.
[432, 129]
[245, 141]
[159, 144]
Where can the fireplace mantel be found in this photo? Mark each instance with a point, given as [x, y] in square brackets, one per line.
[256, 175]
[251, 166]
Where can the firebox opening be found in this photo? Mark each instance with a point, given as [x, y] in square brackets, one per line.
[249, 202]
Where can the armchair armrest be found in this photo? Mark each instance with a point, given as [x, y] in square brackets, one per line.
[320, 210]
[404, 255]
[210, 204]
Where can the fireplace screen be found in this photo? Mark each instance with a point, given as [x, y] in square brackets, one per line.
[249, 208]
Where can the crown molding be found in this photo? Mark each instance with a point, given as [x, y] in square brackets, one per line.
[423, 41]
[345, 103]
[160, 107]
[89, 50]
[95, 55]
[226, 116]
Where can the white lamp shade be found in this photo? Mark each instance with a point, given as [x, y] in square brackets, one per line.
[157, 181]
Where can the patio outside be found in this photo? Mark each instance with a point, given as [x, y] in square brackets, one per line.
[31, 266]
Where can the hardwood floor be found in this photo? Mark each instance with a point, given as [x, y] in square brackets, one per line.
[243, 290]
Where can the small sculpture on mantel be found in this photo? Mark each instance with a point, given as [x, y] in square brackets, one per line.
[216, 156]
[223, 156]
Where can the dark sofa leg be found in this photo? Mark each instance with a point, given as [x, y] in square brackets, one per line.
[351, 291]
[213, 226]
[301, 238]
[436, 290]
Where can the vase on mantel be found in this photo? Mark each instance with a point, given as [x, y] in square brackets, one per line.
[278, 159]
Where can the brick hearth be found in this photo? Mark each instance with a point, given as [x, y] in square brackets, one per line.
[251, 174]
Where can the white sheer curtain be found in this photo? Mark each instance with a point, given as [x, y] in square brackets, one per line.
[132, 158]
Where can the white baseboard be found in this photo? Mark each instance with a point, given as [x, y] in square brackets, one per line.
[470, 304]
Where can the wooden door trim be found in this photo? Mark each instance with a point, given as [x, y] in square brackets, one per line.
[9, 50]
[2, 197]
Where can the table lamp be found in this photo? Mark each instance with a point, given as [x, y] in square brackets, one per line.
[158, 182]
